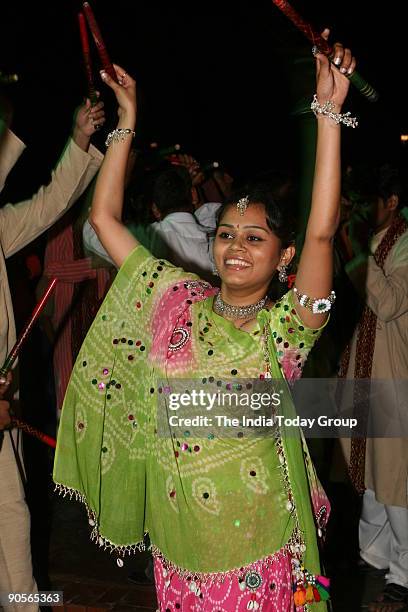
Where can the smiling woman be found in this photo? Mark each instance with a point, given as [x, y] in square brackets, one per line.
[252, 244]
[232, 521]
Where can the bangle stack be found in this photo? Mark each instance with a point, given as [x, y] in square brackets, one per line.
[316, 305]
[118, 135]
[327, 110]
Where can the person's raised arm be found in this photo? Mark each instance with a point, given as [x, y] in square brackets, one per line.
[315, 271]
[87, 119]
[107, 203]
[23, 222]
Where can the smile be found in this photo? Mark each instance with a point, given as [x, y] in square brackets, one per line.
[237, 263]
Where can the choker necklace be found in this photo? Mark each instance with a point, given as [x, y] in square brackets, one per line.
[237, 312]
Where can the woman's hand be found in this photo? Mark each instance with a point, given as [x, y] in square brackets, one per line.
[332, 82]
[107, 203]
[125, 92]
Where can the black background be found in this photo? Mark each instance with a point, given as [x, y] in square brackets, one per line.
[218, 77]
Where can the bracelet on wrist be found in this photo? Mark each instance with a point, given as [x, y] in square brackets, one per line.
[327, 110]
[118, 135]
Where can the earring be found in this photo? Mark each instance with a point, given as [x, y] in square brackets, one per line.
[214, 270]
[283, 277]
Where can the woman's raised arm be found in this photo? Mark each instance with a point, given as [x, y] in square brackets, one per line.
[315, 272]
[107, 203]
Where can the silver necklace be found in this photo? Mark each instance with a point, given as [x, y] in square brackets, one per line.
[237, 312]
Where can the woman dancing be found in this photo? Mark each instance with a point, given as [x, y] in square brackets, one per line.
[231, 520]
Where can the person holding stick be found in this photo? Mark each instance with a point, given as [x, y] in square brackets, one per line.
[5, 419]
[20, 224]
[231, 519]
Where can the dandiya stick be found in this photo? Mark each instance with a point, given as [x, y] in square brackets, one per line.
[314, 37]
[100, 45]
[34, 432]
[12, 356]
[86, 54]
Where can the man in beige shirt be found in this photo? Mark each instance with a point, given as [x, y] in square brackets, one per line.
[19, 225]
[379, 352]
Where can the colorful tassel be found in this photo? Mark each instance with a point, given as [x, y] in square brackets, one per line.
[325, 582]
[316, 595]
[309, 594]
[308, 588]
[324, 595]
[300, 596]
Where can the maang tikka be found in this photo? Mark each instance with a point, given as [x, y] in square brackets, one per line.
[242, 204]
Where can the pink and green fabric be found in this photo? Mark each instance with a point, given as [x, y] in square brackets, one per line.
[217, 510]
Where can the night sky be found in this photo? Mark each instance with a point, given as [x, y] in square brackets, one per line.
[219, 77]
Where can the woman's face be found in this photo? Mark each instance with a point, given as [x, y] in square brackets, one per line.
[246, 251]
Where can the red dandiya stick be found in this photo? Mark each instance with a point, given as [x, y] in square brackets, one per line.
[303, 26]
[34, 432]
[12, 356]
[311, 34]
[100, 45]
[86, 54]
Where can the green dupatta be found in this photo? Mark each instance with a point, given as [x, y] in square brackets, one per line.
[103, 430]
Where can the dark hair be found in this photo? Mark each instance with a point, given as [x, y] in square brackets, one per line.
[137, 205]
[389, 182]
[166, 185]
[172, 190]
[368, 183]
[278, 210]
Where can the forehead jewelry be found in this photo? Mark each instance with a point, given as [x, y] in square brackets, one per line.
[242, 205]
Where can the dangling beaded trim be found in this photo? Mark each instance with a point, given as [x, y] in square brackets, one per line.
[264, 344]
[307, 588]
[321, 519]
[96, 536]
[251, 571]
